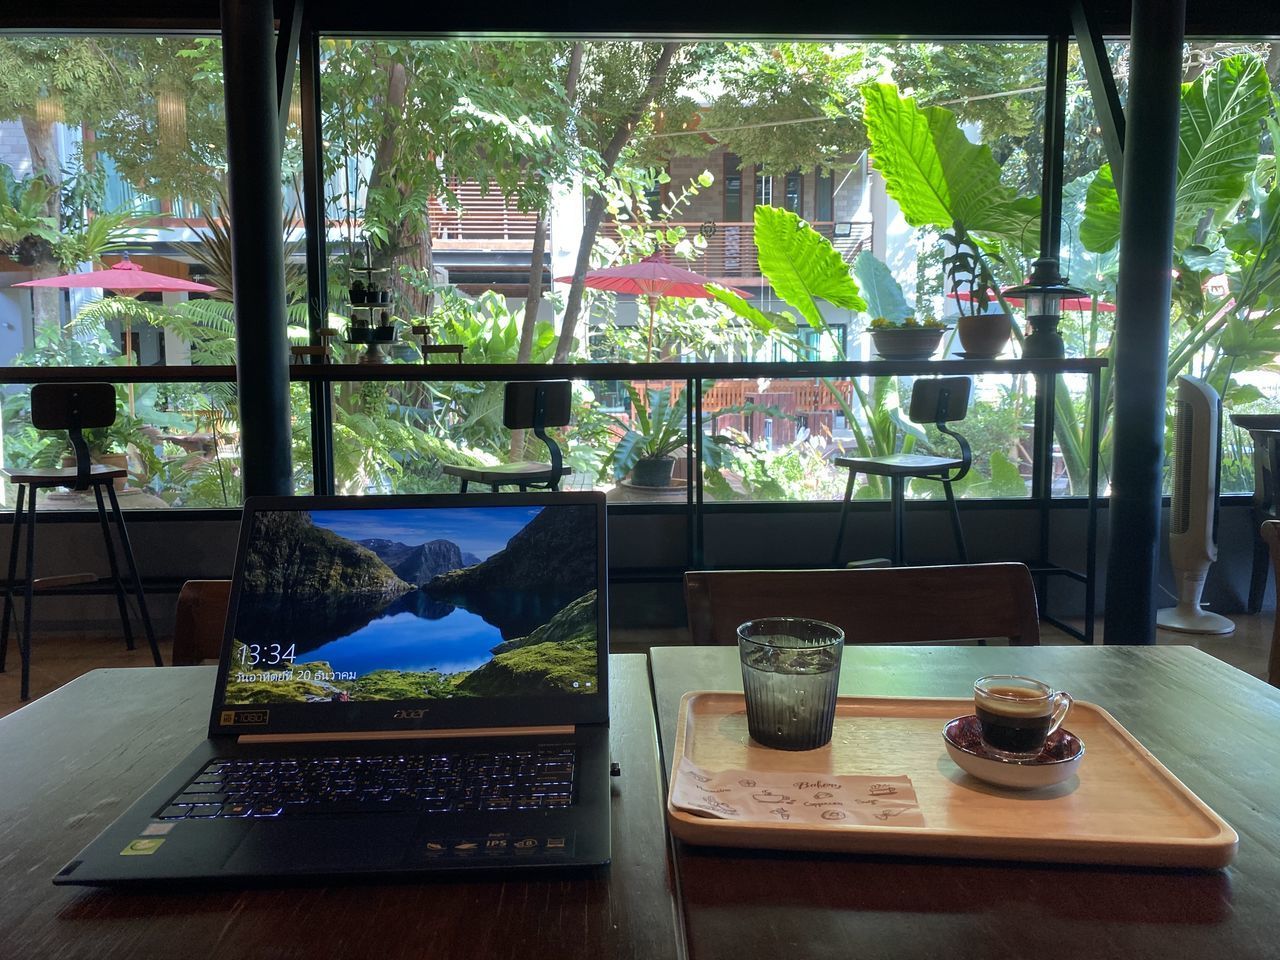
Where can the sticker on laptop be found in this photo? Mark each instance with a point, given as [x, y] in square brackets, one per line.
[243, 718]
[142, 847]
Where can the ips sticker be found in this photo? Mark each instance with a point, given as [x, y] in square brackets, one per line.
[142, 847]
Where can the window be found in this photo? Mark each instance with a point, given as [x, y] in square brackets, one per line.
[793, 199]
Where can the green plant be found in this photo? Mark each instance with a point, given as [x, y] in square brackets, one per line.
[656, 429]
[908, 323]
[967, 273]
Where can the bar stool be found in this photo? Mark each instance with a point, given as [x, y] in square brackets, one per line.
[73, 407]
[936, 400]
[535, 404]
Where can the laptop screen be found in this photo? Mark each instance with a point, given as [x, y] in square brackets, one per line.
[457, 602]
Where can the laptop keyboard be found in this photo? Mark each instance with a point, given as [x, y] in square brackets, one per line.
[536, 779]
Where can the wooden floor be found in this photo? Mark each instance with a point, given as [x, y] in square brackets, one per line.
[58, 660]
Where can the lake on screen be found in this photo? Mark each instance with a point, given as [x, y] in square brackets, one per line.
[405, 641]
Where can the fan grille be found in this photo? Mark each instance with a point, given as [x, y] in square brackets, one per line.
[1180, 508]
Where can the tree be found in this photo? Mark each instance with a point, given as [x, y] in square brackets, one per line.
[408, 120]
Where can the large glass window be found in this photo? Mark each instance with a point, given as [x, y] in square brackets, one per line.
[113, 159]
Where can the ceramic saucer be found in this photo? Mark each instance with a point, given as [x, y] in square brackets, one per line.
[1058, 761]
[977, 356]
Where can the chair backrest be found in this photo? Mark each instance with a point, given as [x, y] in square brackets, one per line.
[536, 403]
[1271, 534]
[940, 399]
[74, 407]
[200, 621]
[878, 605]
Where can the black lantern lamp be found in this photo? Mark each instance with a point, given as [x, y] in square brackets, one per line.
[1043, 294]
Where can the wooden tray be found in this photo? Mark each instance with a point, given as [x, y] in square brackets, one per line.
[1123, 807]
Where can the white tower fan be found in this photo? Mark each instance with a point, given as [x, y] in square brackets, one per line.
[1192, 512]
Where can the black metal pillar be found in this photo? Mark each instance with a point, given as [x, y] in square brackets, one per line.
[1142, 328]
[257, 245]
[1055, 120]
[313, 215]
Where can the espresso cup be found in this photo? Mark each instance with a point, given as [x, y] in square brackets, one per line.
[1017, 714]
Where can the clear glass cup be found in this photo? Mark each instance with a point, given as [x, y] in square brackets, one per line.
[1017, 714]
[791, 676]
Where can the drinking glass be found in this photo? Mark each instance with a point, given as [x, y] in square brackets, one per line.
[790, 675]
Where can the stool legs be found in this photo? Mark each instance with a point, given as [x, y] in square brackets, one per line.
[897, 496]
[121, 604]
[133, 572]
[9, 613]
[24, 638]
[844, 514]
[955, 522]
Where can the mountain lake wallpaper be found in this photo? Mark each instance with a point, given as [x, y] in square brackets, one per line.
[416, 604]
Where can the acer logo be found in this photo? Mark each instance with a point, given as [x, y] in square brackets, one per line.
[410, 714]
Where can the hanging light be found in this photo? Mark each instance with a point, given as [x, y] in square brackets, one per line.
[171, 114]
[1043, 294]
[49, 109]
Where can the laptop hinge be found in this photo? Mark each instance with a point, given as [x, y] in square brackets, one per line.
[407, 734]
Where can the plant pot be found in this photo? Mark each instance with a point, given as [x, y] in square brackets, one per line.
[907, 343]
[359, 335]
[356, 296]
[653, 472]
[384, 296]
[984, 335]
[383, 334]
[118, 461]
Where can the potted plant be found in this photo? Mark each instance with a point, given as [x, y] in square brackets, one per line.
[112, 447]
[968, 276]
[385, 331]
[357, 292]
[911, 338]
[655, 430]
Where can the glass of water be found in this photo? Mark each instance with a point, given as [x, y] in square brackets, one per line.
[790, 674]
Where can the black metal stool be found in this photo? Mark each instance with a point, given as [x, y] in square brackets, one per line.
[936, 400]
[535, 404]
[73, 407]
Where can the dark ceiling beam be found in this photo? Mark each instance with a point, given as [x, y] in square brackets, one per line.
[820, 18]
[1102, 85]
[288, 36]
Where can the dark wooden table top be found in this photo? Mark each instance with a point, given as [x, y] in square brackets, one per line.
[73, 760]
[1214, 727]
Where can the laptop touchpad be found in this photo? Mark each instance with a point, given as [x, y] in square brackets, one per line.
[324, 845]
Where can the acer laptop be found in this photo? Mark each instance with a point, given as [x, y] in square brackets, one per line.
[407, 684]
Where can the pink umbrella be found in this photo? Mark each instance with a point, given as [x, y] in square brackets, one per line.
[123, 277]
[653, 277]
[1074, 303]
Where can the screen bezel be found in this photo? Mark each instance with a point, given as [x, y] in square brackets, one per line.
[377, 716]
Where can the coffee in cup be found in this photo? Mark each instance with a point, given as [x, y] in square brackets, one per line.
[1017, 714]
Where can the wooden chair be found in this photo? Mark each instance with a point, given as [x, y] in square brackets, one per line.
[200, 621]
[73, 407]
[871, 605]
[1271, 535]
[936, 400]
[535, 404]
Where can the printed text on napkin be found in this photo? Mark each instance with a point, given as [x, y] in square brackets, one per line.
[800, 798]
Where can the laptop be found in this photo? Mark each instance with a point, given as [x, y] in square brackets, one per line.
[407, 685]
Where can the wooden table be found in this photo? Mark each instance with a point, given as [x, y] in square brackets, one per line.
[1213, 726]
[73, 760]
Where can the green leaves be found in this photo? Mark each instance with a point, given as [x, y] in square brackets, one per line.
[802, 265]
[1218, 137]
[934, 173]
[1218, 143]
[882, 292]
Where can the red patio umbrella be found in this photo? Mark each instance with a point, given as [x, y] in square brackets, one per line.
[653, 277]
[123, 277]
[1072, 303]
